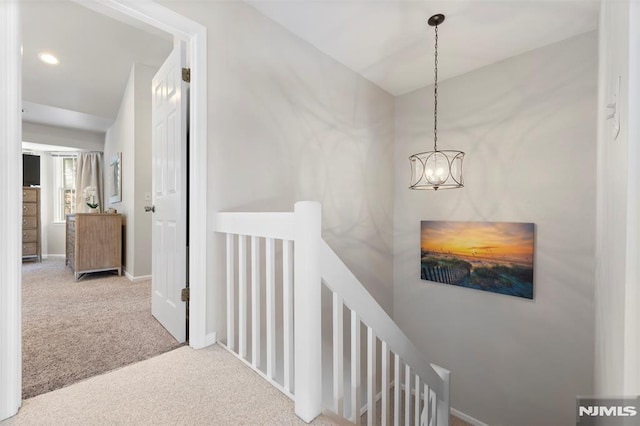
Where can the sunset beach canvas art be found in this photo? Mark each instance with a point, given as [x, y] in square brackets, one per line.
[489, 256]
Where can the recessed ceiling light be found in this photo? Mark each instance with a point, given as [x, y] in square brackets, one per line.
[48, 58]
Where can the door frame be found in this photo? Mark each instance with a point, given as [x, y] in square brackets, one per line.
[162, 18]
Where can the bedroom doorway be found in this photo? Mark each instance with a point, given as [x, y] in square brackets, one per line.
[195, 36]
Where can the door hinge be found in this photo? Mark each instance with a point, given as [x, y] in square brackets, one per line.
[185, 294]
[186, 75]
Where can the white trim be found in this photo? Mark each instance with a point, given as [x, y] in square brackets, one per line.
[10, 215]
[211, 339]
[198, 180]
[136, 279]
[632, 291]
[467, 418]
[54, 256]
[10, 178]
[195, 35]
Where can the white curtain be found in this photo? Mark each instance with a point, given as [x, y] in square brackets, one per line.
[89, 174]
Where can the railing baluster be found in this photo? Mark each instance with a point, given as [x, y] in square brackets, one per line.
[371, 376]
[396, 390]
[338, 355]
[270, 255]
[433, 404]
[230, 294]
[242, 296]
[315, 262]
[255, 302]
[424, 418]
[416, 401]
[407, 395]
[355, 368]
[384, 370]
[287, 306]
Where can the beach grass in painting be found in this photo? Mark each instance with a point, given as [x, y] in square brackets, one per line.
[489, 256]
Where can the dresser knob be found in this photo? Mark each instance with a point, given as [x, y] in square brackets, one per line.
[24, 208]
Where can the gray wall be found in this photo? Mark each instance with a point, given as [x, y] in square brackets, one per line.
[52, 135]
[528, 126]
[288, 123]
[131, 135]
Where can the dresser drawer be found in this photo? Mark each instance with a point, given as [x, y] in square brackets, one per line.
[29, 209]
[29, 222]
[29, 249]
[29, 195]
[29, 235]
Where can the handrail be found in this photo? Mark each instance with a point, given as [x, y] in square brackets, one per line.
[308, 263]
[264, 225]
[340, 279]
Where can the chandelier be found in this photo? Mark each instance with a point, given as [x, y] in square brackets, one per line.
[437, 169]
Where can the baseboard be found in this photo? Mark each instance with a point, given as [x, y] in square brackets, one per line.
[467, 418]
[53, 256]
[210, 339]
[459, 414]
[136, 279]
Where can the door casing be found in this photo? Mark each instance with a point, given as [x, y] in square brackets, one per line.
[182, 28]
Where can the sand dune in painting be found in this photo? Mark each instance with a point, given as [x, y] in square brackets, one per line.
[490, 256]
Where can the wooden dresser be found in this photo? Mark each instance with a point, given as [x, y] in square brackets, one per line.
[94, 243]
[31, 224]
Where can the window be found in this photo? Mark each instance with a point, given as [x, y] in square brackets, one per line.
[64, 195]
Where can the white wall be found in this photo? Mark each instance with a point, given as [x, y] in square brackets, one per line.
[617, 362]
[131, 135]
[288, 123]
[142, 181]
[52, 234]
[528, 126]
[62, 136]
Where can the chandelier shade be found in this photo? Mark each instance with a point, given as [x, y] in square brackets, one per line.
[437, 169]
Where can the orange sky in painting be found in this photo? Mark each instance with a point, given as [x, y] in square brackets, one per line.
[471, 238]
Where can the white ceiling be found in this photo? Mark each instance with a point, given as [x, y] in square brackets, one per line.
[386, 41]
[96, 54]
[389, 42]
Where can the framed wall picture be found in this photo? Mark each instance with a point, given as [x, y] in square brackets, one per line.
[115, 178]
[490, 256]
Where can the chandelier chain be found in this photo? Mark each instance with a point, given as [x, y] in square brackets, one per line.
[435, 95]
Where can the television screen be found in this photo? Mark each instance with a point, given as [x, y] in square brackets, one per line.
[30, 170]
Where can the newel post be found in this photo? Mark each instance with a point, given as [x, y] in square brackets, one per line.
[443, 406]
[307, 311]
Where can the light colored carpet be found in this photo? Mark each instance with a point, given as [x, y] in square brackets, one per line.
[74, 330]
[181, 387]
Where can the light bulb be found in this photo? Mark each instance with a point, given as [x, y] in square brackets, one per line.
[48, 58]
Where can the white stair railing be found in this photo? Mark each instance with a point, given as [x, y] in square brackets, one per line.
[297, 263]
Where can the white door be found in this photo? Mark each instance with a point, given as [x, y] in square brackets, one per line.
[169, 136]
